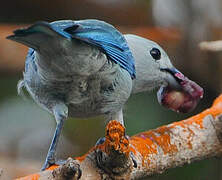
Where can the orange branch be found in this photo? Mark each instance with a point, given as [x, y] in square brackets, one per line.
[148, 152]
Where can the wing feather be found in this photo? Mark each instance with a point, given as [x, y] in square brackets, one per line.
[102, 35]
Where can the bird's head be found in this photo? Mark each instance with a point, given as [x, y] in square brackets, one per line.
[154, 69]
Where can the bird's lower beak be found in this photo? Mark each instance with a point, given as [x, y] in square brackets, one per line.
[180, 94]
[173, 77]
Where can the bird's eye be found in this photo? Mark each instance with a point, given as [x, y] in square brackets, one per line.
[155, 53]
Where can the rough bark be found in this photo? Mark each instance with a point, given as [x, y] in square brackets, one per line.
[146, 153]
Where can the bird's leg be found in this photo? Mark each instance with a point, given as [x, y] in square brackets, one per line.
[118, 117]
[50, 158]
[100, 141]
[61, 113]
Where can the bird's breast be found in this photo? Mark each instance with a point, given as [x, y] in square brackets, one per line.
[99, 94]
[87, 96]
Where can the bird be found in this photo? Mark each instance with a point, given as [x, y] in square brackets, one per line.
[87, 68]
[76, 69]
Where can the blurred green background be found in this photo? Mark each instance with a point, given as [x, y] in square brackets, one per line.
[177, 25]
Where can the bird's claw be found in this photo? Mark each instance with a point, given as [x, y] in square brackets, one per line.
[48, 162]
[133, 159]
[60, 162]
[100, 141]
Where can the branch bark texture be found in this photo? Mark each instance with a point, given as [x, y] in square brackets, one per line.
[146, 153]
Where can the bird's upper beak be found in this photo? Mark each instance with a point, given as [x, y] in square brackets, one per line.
[180, 94]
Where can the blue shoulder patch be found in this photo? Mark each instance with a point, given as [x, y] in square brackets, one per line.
[102, 35]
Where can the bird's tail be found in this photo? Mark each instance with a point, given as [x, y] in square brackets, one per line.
[37, 35]
[20, 87]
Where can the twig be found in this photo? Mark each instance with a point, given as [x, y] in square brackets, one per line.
[211, 46]
[146, 153]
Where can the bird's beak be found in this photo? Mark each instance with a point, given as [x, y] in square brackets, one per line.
[173, 77]
[180, 94]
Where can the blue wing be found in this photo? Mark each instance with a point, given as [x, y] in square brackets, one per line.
[102, 35]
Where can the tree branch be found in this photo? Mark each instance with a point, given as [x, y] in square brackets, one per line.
[146, 153]
[214, 46]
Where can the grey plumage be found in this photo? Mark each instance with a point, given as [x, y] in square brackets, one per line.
[76, 74]
[70, 77]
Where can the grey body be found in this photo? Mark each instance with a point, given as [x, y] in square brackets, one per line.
[72, 78]
[91, 85]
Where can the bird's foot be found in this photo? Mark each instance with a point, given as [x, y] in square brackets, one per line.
[133, 159]
[59, 163]
[103, 139]
[48, 162]
[100, 141]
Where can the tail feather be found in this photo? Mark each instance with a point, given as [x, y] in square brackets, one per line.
[35, 36]
[20, 87]
[20, 90]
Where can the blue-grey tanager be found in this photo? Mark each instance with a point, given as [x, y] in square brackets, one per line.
[86, 68]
